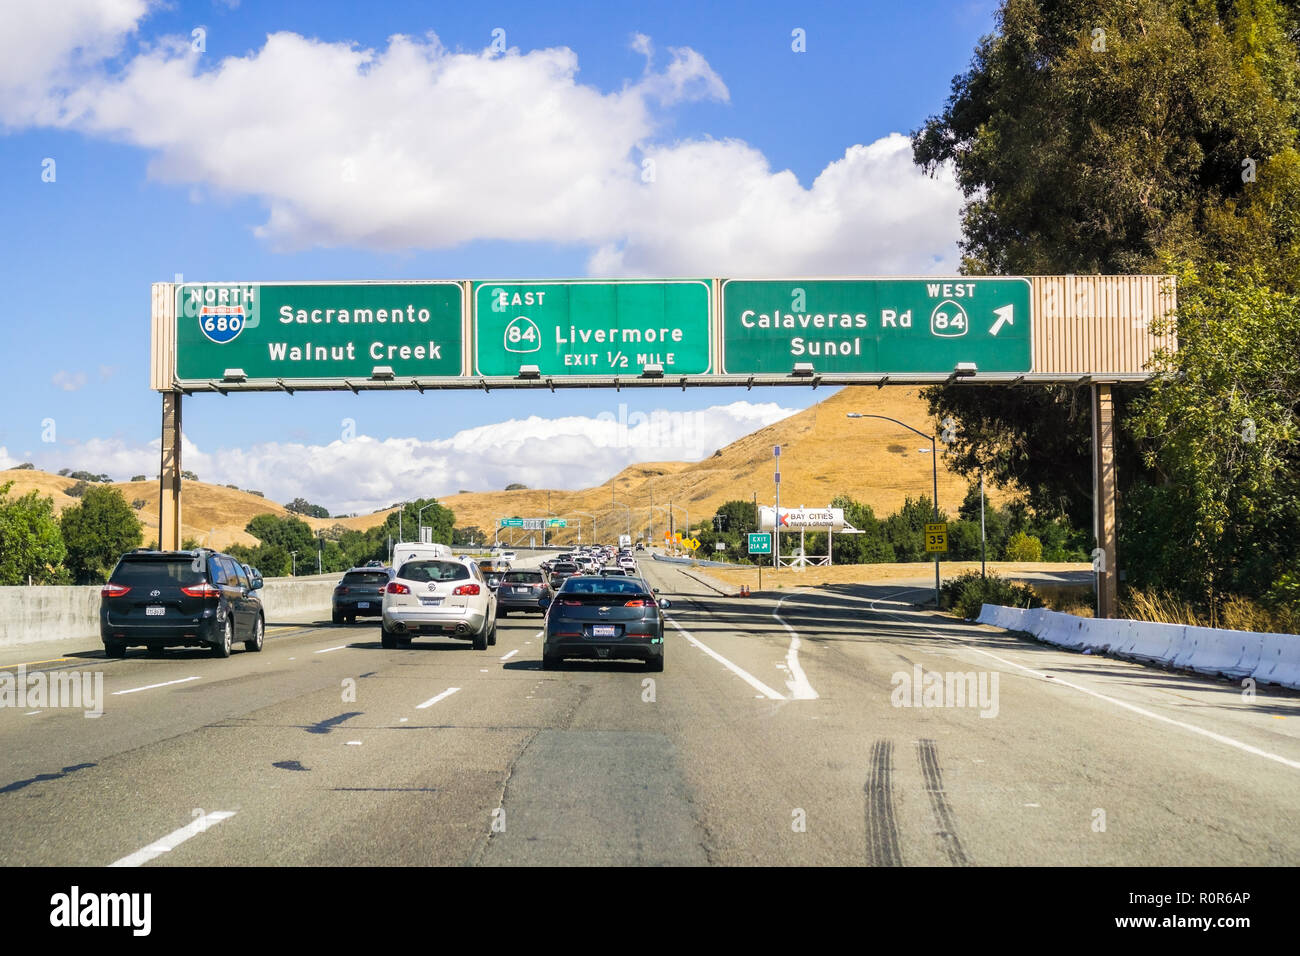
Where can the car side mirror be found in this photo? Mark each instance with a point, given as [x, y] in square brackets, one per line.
[257, 581]
[665, 603]
[654, 590]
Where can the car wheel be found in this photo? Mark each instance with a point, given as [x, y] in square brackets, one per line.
[352, 619]
[155, 650]
[492, 638]
[403, 642]
[481, 639]
[222, 647]
[336, 617]
[115, 649]
[656, 665]
[389, 640]
[259, 636]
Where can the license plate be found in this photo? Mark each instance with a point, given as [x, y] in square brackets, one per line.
[431, 602]
[155, 611]
[365, 604]
[602, 630]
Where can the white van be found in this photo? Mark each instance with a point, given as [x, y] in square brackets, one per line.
[417, 549]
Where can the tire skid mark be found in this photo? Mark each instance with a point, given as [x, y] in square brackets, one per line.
[928, 755]
[882, 827]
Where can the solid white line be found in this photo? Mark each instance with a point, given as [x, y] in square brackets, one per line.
[800, 689]
[511, 654]
[174, 839]
[433, 700]
[744, 675]
[328, 649]
[1220, 738]
[118, 693]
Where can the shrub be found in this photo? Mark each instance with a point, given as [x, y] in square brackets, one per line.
[967, 592]
[1024, 547]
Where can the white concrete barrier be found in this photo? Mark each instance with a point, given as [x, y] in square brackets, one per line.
[1155, 643]
[1230, 653]
[1268, 658]
[1279, 660]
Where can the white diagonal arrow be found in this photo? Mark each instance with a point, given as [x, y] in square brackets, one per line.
[1004, 315]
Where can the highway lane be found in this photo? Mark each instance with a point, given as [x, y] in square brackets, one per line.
[326, 749]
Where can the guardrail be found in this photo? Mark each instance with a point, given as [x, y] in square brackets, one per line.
[1267, 658]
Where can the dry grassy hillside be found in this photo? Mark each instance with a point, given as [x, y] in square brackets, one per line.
[824, 453]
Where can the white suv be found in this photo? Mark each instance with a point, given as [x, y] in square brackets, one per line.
[439, 595]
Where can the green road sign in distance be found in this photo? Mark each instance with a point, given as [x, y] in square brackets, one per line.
[591, 328]
[875, 325]
[512, 522]
[760, 543]
[318, 331]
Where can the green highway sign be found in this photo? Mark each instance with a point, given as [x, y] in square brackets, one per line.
[557, 523]
[511, 523]
[760, 542]
[869, 326]
[592, 328]
[328, 330]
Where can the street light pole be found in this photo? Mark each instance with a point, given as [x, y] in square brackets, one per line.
[294, 556]
[934, 474]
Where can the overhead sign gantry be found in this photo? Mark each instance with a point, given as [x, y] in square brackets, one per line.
[444, 333]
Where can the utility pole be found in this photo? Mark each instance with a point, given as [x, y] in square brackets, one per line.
[776, 516]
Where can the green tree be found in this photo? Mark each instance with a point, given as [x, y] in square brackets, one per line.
[905, 528]
[1222, 438]
[870, 547]
[1024, 547]
[302, 506]
[30, 541]
[97, 532]
[1080, 158]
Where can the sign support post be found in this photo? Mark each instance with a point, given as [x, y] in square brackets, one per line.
[1103, 480]
[169, 475]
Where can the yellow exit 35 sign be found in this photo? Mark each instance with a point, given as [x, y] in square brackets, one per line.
[936, 537]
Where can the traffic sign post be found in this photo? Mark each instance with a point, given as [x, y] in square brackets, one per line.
[875, 325]
[630, 328]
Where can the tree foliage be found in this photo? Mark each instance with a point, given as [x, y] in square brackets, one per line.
[1169, 142]
[97, 532]
[30, 541]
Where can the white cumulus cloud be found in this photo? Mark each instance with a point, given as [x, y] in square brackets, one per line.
[365, 474]
[415, 146]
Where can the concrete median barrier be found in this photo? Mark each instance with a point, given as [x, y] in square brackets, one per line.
[48, 613]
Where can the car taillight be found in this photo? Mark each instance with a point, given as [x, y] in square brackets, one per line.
[340, 590]
[572, 603]
[639, 603]
[395, 588]
[113, 590]
[204, 590]
[467, 589]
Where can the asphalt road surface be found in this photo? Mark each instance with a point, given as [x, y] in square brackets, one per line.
[781, 732]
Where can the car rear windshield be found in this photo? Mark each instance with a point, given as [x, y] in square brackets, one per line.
[602, 586]
[365, 577]
[523, 577]
[172, 572]
[566, 568]
[433, 571]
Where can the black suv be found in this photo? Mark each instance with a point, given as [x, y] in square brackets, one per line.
[180, 599]
[360, 593]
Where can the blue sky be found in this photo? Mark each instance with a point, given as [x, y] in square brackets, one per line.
[172, 161]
